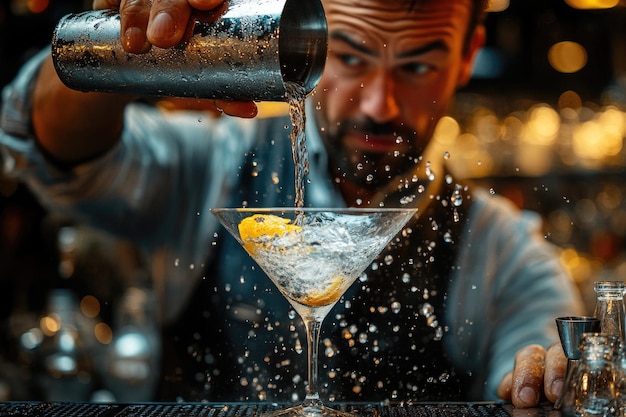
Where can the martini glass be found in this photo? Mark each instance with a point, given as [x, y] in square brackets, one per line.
[313, 256]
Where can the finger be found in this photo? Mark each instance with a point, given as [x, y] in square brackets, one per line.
[528, 376]
[134, 15]
[168, 22]
[555, 370]
[205, 4]
[504, 389]
[216, 107]
[105, 4]
[244, 109]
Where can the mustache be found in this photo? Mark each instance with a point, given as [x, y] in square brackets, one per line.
[371, 127]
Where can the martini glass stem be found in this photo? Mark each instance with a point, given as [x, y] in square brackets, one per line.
[313, 327]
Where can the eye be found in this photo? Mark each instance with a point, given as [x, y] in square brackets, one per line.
[417, 68]
[350, 60]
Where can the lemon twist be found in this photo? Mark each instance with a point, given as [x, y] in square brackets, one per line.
[252, 228]
[319, 298]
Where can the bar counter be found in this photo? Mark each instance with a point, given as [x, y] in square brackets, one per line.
[184, 409]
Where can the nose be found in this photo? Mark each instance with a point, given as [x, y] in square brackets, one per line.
[378, 97]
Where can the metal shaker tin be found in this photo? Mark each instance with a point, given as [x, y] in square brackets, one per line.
[248, 53]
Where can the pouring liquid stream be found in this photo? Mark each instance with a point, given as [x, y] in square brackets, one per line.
[296, 97]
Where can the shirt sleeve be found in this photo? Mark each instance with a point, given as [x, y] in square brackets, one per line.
[154, 188]
[509, 288]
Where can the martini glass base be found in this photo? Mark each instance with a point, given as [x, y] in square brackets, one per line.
[309, 411]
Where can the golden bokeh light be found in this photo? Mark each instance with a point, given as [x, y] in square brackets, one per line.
[49, 325]
[567, 57]
[103, 333]
[498, 5]
[570, 100]
[592, 4]
[38, 6]
[447, 131]
[593, 140]
[543, 126]
[90, 306]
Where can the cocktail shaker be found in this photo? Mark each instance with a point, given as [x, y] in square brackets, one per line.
[247, 53]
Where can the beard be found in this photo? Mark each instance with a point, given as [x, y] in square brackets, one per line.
[371, 169]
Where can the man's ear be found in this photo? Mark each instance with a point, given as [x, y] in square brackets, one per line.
[477, 42]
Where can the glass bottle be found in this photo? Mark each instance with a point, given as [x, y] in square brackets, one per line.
[610, 307]
[64, 356]
[592, 388]
[620, 389]
[134, 356]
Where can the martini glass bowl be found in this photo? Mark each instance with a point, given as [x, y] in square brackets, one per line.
[313, 256]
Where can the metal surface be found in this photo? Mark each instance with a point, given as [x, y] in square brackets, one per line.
[44, 409]
[571, 329]
[248, 53]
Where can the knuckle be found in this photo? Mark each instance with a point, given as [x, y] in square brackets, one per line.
[134, 6]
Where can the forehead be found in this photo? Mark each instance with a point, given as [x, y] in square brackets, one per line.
[447, 20]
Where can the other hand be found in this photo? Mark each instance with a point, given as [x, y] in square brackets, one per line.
[537, 374]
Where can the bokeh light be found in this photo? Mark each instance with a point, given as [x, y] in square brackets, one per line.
[567, 57]
[592, 4]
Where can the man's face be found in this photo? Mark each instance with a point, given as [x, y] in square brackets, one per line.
[389, 77]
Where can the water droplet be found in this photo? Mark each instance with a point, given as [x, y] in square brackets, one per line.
[388, 260]
[439, 333]
[429, 172]
[407, 199]
[457, 197]
[446, 155]
[426, 310]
